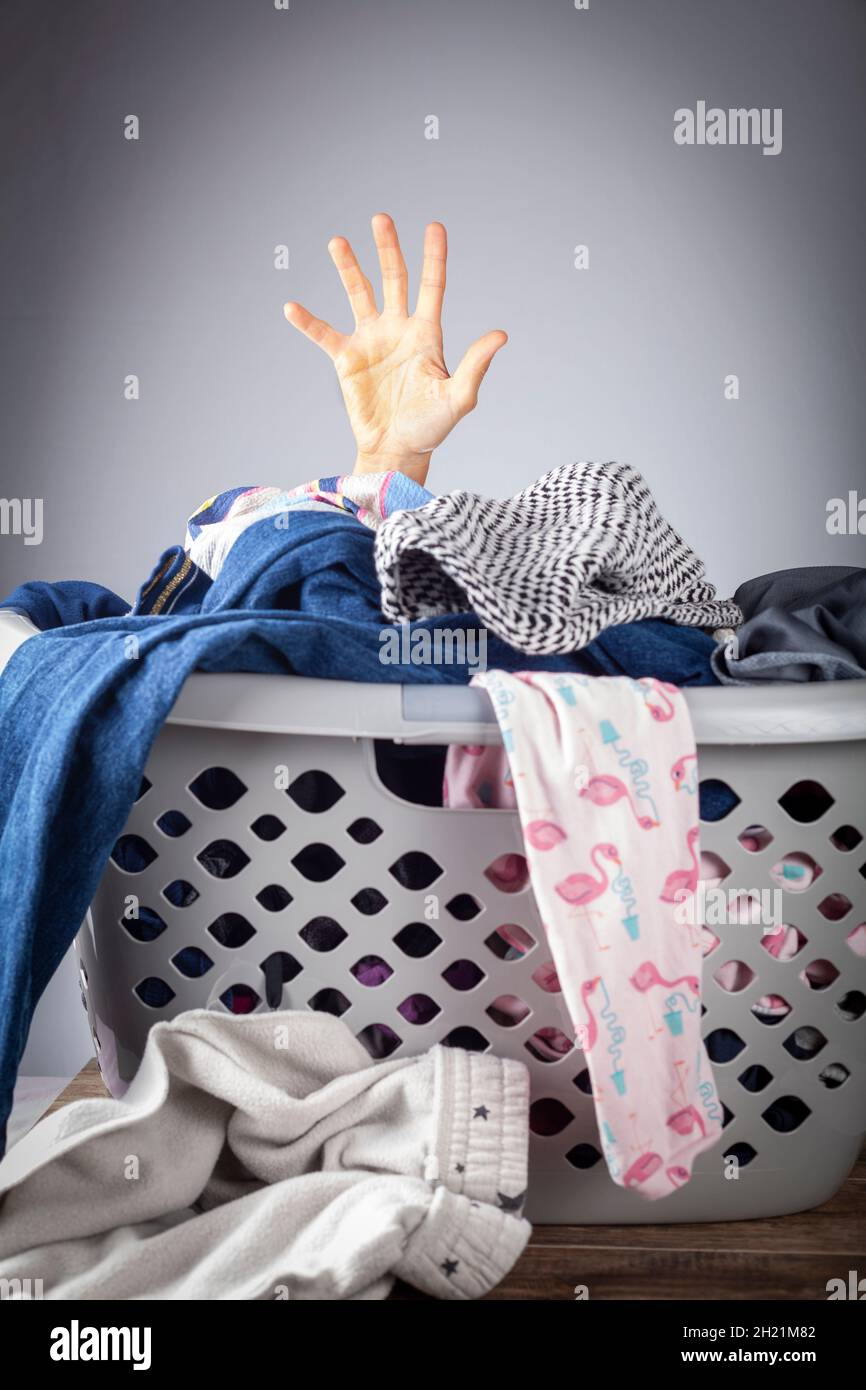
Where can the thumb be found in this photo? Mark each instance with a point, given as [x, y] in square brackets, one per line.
[468, 377]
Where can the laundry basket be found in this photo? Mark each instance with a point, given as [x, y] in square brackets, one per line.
[267, 865]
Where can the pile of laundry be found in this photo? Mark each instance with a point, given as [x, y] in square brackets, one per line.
[595, 615]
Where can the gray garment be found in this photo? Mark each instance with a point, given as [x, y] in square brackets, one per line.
[805, 624]
[267, 1157]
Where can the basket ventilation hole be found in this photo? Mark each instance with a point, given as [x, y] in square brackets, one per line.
[548, 1116]
[547, 979]
[781, 942]
[379, 1040]
[709, 941]
[240, 999]
[583, 1082]
[834, 1075]
[723, 1044]
[786, 1114]
[852, 1005]
[796, 872]
[819, 974]
[315, 792]
[734, 976]
[716, 799]
[418, 1008]
[147, 926]
[856, 939]
[144, 788]
[510, 942]
[463, 974]
[755, 838]
[771, 1009]
[180, 893]
[509, 873]
[267, 827]
[415, 870]
[364, 830]
[153, 992]
[273, 897]
[805, 1043]
[742, 1152]
[231, 930]
[846, 838]
[329, 1001]
[755, 1078]
[279, 968]
[417, 940]
[464, 907]
[223, 858]
[468, 1038]
[174, 824]
[583, 1156]
[192, 962]
[549, 1045]
[834, 907]
[322, 934]
[217, 788]
[806, 802]
[713, 868]
[727, 1116]
[133, 854]
[369, 901]
[318, 862]
[507, 1010]
[371, 971]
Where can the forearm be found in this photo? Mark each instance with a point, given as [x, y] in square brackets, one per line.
[415, 466]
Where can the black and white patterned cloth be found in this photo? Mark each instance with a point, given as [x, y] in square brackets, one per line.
[582, 549]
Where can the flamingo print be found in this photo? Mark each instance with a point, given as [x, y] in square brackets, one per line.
[685, 1120]
[579, 889]
[544, 834]
[683, 881]
[591, 1028]
[605, 791]
[642, 1169]
[647, 975]
[679, 771]
[677, 1175]
[660, 713]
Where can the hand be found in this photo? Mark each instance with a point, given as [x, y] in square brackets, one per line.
[400, 398]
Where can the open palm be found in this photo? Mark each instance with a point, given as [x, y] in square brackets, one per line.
[401, 400]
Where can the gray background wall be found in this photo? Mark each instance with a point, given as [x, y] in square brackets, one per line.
[261, 127]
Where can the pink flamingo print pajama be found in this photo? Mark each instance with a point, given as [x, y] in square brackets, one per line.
[594, 768]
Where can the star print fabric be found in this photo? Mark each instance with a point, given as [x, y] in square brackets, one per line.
[318, 1174]
[603, 773]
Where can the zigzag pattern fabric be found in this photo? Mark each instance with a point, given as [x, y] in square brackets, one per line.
[582, 549]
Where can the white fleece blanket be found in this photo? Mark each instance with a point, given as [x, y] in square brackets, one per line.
[267, 1157]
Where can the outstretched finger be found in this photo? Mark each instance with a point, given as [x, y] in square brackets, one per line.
[319, 332]
[431, 291]
[355, 282]
[468, 377]
[395, 280]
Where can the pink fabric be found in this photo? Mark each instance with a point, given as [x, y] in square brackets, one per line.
[594, 766]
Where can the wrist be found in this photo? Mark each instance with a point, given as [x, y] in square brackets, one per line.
[414, 466]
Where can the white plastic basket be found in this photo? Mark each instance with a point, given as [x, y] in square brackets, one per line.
[294, 923]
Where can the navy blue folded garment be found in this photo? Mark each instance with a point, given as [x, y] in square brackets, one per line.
[81, 705]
